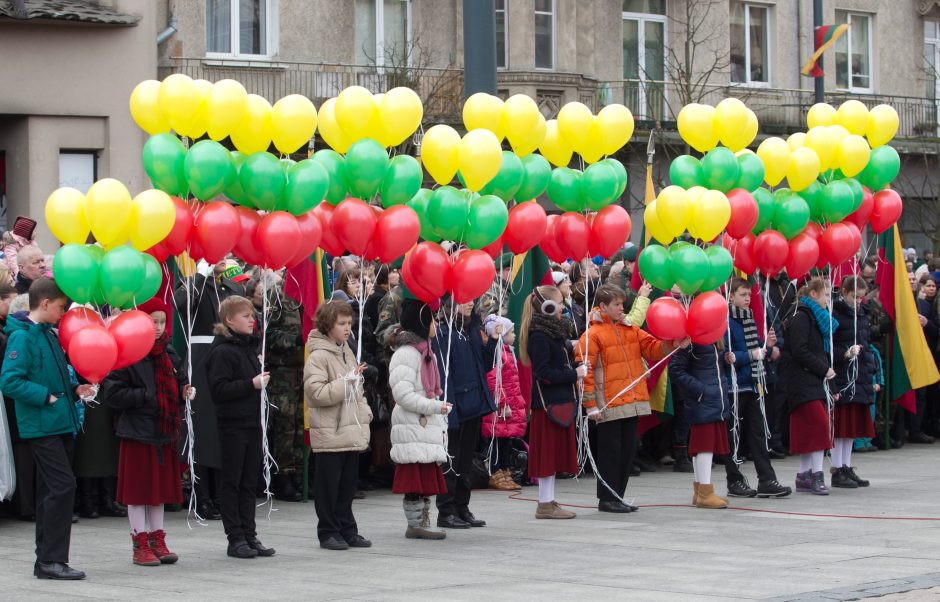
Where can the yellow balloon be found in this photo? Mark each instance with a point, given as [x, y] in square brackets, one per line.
[744, 151]
[882, 125]
[66, 217]
[400, 112]
[739, 140]
[152, 218]
[731, 120]
[227, 106]
[852, 155]
[440, 153]
[824, 141]
[594, 148]
[253, 134]
[196, 124]
[178, 99]
[330, 131]
[853, 116]
[674, 210]
[615, 123]
[484, 111]
[695, 193]
[796, 140]
[574, 124]
[293, 122]
[523, 124]
[145, 108]
[653, 225]
[479, 158]
[803, 168]
[355, 109]
[555, 148]
[820, 114]
[697, 126]
[531, 143]
[108, 206]
[710, 215]
[774, 153]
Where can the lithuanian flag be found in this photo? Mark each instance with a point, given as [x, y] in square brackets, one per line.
[825, 36]
[911, 365]
[529, 270]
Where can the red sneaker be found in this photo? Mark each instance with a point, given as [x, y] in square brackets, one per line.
[143, 555]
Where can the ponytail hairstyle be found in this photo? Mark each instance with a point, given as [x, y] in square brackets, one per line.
[533, 306]
[815, 284]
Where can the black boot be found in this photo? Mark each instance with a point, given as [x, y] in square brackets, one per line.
[109, 507]
[283, 488]
[680, 454]
[88, 498]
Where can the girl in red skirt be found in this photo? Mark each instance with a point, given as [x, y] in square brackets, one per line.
[148, 396]
[700, 383]
[419, 420]
[854, 388]
[805, 368]
[544, 345]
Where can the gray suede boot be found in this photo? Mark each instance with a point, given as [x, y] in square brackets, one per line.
[419, 520]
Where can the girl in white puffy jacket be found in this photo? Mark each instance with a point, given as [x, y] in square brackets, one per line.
[419, 420]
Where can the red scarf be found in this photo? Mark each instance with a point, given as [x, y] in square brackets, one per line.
[168, 395]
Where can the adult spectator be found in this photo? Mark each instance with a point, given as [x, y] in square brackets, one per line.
[32, 265]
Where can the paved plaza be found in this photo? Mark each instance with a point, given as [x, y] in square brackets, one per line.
[790, 549]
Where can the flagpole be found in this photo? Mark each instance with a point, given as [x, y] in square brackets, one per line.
[819, 82]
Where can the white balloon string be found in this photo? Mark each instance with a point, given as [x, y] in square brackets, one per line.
[268, 461]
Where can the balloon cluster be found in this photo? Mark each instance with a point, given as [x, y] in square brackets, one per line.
[705, 321]
[95, 349]
[430, 273]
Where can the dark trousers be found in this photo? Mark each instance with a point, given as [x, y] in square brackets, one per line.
[778, 417]
[499, 455]
[24, 498]
[462, 443]
[335, 477]
[208, 484]
[616, 449]
[55, 496]
[905, 421]
[751, 430]
[241, 458]
[680, 425]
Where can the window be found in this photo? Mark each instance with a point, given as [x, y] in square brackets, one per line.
[239, 28]
[502, 40]
[853, 53]
[383, 32]
[544, 34]
[932, 57]
[644, 57]
[750, 43]
[78, 169]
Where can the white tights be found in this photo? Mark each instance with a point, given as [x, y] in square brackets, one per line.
[841, 454]
[702, 467]
[546, 489]
[812, 460]
[139, 515]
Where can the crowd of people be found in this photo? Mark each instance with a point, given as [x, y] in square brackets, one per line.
[435, 400]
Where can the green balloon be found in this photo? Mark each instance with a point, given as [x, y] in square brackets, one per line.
[419, 203]
[621, 175]
[656, 267]
[75, 270]
[335, 167]
[209, 169]
[307, 183]
[508, 180]
[164, 157]
[791, 214]
[752, 172]
[689, 266]
[883, 167]
[720, 266]
[813, 195]
[765, 209]
[720, 169]
[686, 171]
[122, 275]
[837, 201]
[263, 179]
[858, 193]
[153, 278]
[536, 174]
[234, 190]
[486, 220]
[402, 180]
[366, 163]
[599, 184]
[564, 189]
[448, 210]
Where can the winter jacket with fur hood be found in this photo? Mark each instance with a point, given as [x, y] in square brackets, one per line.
[337, 410]
[418, 427]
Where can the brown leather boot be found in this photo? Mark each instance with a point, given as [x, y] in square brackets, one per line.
[708, 499]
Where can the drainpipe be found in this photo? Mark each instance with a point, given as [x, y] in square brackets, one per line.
[164, 35]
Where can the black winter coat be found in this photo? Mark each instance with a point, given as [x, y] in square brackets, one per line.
[132, 391]
[231, 366]
[863, 389]
[804, 363]
[700, 380]
[470, 360]
[552, 370]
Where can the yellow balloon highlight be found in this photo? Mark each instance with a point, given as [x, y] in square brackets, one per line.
[824, 141]
[796, 140]
[820, 114]
[479, 158]
[710, 214]
[852, 155]
[330, 131]
[253, 134]
[674, 210]
[440, 153]
[145, 108]
[227, 106]
[66, 216]
[574, 124]
[525, 127]
[555, 148]
[108, 206]
[697, 126]
[152, 217]
[400, 112]
[803, 168]
[293, 123]
[178, 99]
[615, 124]
[775, 155]
[853, 116]
[355, 109]
[882, 125]
[484, 111]
[731, 122]
[654, 226]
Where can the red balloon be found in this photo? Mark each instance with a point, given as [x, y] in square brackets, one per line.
[93, 352]
[329, 242]
[549, 242]
[770, 251]
[74, 320]
[887, 207]
[708, 318]
[742, 252]
[409, 280]
[310, 234]
[278, 237]
[860, 216]
[353, 224]
[744, 213]
[609, 230]
[176, 241]
[158, 252]
[494, 248]
[429, 270]
[813, 229]
[526, 227]
[246, 247]
[666, 319]
[572, 233]
[134, 333]
[802, 256]
[217, 229]
[395, 233]
[473, 274]
[838, 243]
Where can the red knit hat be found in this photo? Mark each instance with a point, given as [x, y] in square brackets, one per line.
[24, 226]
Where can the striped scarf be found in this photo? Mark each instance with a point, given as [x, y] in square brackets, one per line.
[751, 340]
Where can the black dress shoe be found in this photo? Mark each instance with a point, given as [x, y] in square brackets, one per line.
[259, 547]
[57, 570]
[74, 518]
[334, 543]
[358, 541]
[471, 520]
[114, 509]
[450, 521]
[615, 507]
[241, 549]
[921, 438]
[773, 454]
[208, 511]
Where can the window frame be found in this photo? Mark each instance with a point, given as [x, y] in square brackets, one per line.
[505, 11]
[379, 17]
[641, 19]
[536, 13]
[848, 37]
[270, 33]
[768, 52]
